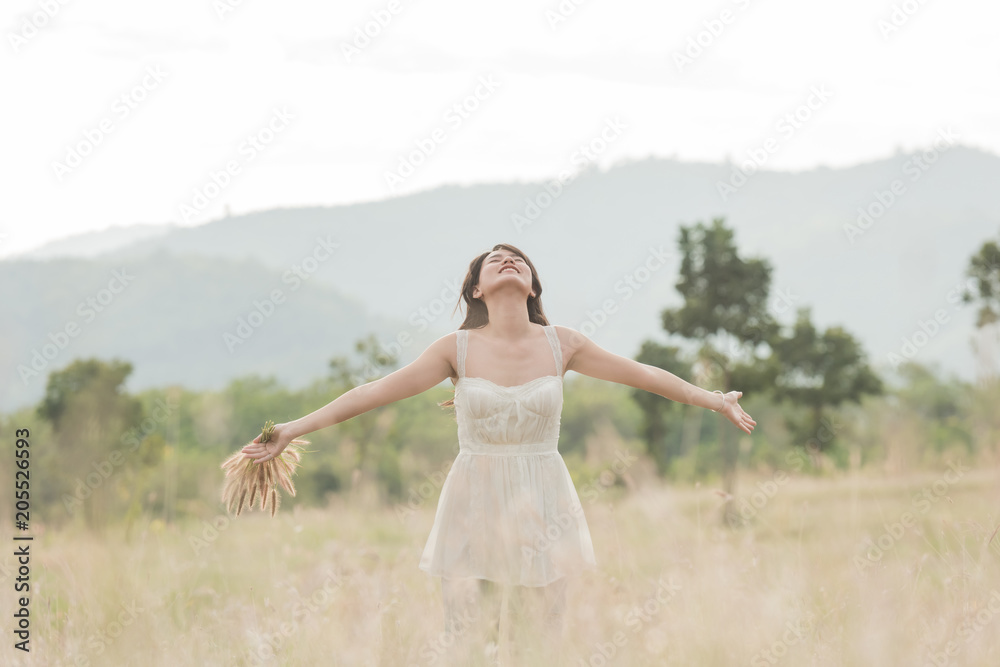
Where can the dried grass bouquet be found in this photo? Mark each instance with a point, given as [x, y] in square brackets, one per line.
[248, 479]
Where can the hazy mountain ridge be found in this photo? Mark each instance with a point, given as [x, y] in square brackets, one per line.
[399, 257]
[185, 320]
[93, 244]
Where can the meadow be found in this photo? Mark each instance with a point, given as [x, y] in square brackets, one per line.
[853, 568]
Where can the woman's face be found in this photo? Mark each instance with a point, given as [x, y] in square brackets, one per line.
[501, 268]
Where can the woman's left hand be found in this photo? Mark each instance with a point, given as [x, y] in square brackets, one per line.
[734, 413]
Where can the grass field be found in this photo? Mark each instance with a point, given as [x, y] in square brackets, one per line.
[853, 570]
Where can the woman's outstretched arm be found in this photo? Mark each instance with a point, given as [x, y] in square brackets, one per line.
[588, 358]
[429, 369]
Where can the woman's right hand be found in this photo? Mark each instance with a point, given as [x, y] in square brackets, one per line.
[265, 451]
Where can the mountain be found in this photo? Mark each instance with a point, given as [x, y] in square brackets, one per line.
[92, 244]
[179, 319]
[604, 245]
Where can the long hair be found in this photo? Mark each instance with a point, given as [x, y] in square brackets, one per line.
[476, 314]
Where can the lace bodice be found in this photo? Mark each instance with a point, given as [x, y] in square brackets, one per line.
[524, 417]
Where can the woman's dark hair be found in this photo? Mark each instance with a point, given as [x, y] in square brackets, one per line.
[476, 314]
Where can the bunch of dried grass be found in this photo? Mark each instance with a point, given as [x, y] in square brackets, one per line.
[248, 479]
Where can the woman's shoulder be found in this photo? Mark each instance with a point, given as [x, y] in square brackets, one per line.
[568, 336]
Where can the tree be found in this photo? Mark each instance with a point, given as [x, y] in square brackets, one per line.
[725, 309]
[984, 270]
[90, 416]
[941, 406]
[655, 411]
[346, 375]
[818, 372]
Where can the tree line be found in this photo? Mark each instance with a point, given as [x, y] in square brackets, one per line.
[104, 455]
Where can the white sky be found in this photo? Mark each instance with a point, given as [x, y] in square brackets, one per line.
[224, 76]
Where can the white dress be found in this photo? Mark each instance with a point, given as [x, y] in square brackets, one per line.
[508, 510]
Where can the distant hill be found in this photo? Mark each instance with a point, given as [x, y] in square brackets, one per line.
[177, 319]
[400, 262]
[92, 244]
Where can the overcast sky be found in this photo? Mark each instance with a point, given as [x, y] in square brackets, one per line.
[120, 112]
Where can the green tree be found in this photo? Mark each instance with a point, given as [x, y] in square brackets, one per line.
[247, 403]
[941, 406]
[819, 372]
[984, 269]
[90, 414]
[655, 411]
[347, 374]
[726, 310]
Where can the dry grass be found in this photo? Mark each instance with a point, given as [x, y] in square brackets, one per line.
[341, 586]
[247, 480]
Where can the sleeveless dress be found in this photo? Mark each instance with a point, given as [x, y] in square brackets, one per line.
[508, 510]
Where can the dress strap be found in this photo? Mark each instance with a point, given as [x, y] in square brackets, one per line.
[462, 339]
[550, 332]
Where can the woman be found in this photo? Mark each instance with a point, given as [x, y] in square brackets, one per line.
[508, 512]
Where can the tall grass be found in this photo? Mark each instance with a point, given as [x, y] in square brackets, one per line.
[798, 584]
